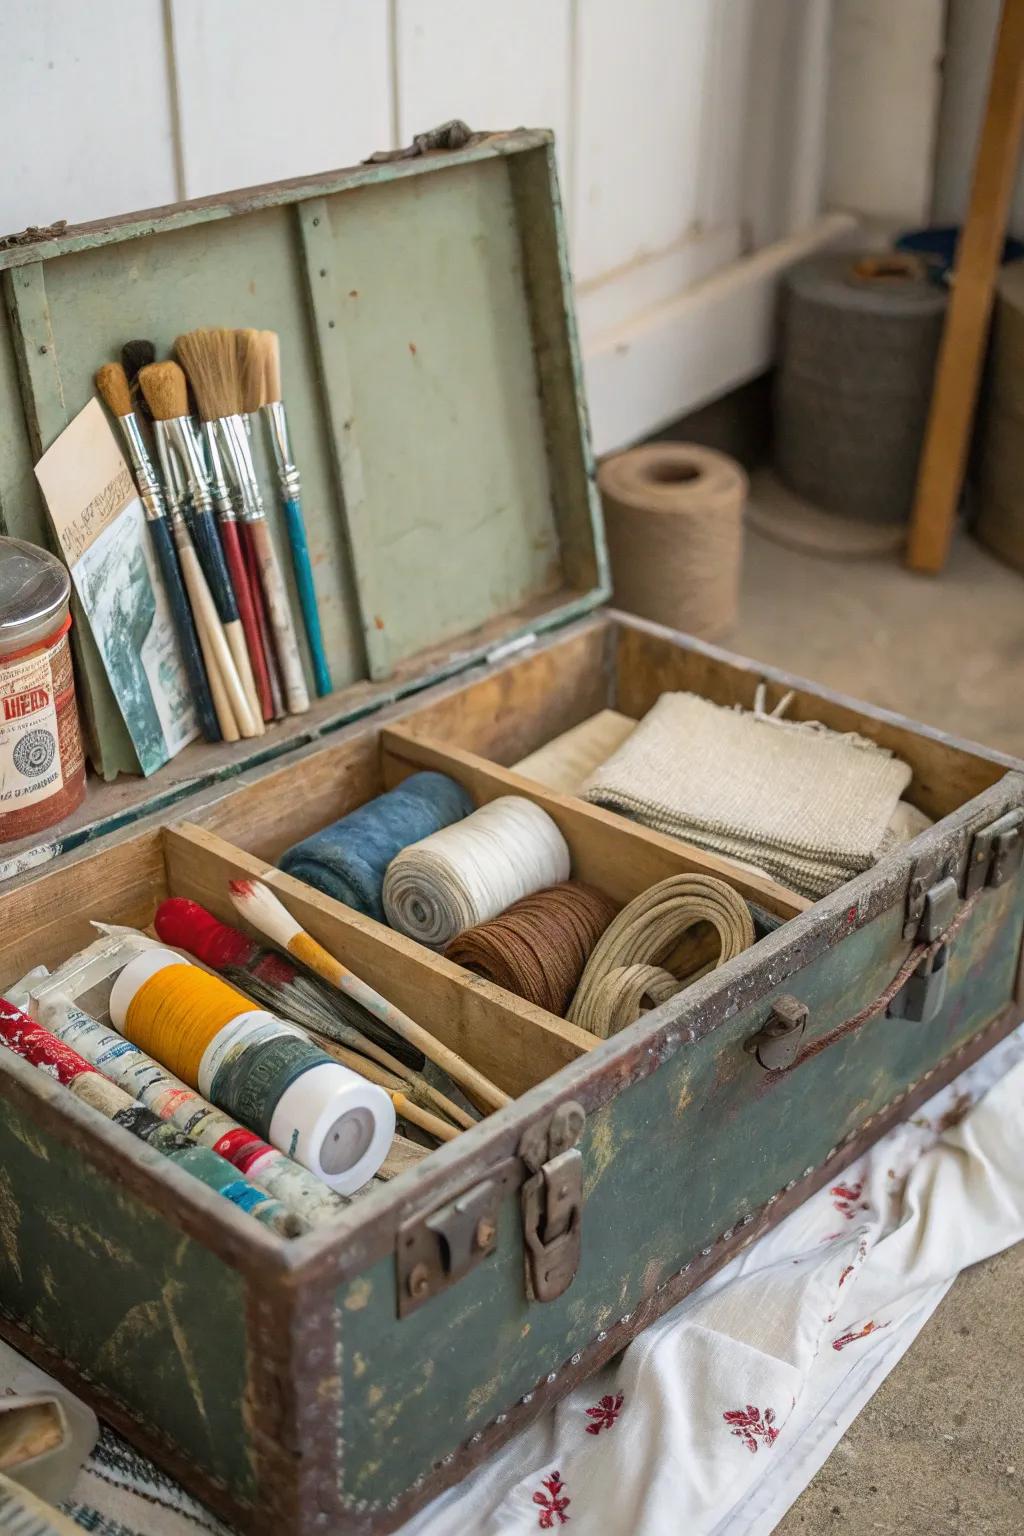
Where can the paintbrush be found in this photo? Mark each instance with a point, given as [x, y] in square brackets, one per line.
[112, 383]
[178, 434]
[259, 354]
[240, 579]
[186, 925]
[273, 980]
[163, 385]
[258, 905]
[211, 359]
[136, 355]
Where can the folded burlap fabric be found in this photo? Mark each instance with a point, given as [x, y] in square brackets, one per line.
[808, 805]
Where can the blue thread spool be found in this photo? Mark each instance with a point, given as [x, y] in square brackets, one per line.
[348, 859]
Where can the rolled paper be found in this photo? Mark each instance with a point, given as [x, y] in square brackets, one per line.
[348, 859]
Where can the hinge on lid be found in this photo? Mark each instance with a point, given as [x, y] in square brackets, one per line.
[552, 1202]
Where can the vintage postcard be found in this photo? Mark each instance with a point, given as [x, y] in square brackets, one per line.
[101, 528]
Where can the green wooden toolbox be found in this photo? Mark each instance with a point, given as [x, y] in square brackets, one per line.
[336, 1381]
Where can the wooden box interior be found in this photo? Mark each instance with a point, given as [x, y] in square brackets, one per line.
[471, 729]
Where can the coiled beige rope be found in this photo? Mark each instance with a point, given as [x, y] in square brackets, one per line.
[630, 967]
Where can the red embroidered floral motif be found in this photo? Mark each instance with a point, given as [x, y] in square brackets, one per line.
[861, 1333]
[846, 1197]
[750, 1425]
[604, 1413]
[847, 1272]
[553, 1503]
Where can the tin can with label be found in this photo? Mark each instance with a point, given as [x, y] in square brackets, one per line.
[42, 766]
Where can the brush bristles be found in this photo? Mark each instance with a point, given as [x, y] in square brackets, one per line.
[271, 366]
[210, 357]
[165, 390]
[136, 355]
[250, 369]
[112, 383]
[262, 910]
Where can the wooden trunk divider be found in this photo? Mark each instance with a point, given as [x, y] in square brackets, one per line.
[512, 1042]
[618, 856]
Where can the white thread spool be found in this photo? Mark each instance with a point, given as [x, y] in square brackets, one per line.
[473, 870]
[327, 1118]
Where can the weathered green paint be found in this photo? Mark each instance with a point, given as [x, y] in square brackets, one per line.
[672, 1162]
[139, 1309]
[424, 316]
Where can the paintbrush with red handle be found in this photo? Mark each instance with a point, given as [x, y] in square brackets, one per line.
[280, 986]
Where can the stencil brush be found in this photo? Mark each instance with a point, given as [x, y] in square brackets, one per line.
[260, 360]
[166, 393]
[210, 356]
[112, 384]
[258, 905]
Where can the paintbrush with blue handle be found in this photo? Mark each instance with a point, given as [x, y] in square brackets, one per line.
[113, 386]
[260, 362]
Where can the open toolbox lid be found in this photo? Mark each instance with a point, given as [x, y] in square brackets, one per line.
[432, 375]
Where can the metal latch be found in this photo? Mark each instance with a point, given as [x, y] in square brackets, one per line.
[925, 993]
[996, 852]
[552, 1203]
[777, 1044]
[439, 1248]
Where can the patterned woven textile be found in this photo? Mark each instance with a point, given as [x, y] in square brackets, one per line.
[808, 805]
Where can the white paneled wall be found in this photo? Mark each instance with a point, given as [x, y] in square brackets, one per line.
[690, 139]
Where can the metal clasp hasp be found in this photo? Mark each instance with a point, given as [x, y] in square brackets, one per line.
[552, 1203]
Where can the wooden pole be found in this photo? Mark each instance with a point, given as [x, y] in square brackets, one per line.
[958, 371]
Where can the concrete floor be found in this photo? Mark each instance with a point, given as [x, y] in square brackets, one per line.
[939, 1451]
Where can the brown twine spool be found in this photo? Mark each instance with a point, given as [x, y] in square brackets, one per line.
[999, 524]
[674, 519]
[538, 948]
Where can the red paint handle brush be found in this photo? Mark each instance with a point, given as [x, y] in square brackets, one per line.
[227, 524]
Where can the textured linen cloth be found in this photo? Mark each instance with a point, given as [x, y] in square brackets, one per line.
[716, 1418]
[808, 805]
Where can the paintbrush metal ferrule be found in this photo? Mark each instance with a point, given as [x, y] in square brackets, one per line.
[220, 491]
[175, 486]
[287, 471]
[150, 493]
[181, 434]
[238, 455]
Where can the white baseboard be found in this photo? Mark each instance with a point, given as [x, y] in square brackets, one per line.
[680, 354]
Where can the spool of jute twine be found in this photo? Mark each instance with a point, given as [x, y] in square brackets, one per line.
[674, 520]
[859, 339]
[633, 965]
[539, 947]
[999, 522]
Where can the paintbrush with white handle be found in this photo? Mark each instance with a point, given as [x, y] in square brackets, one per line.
[166, 392]
[258, 905]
